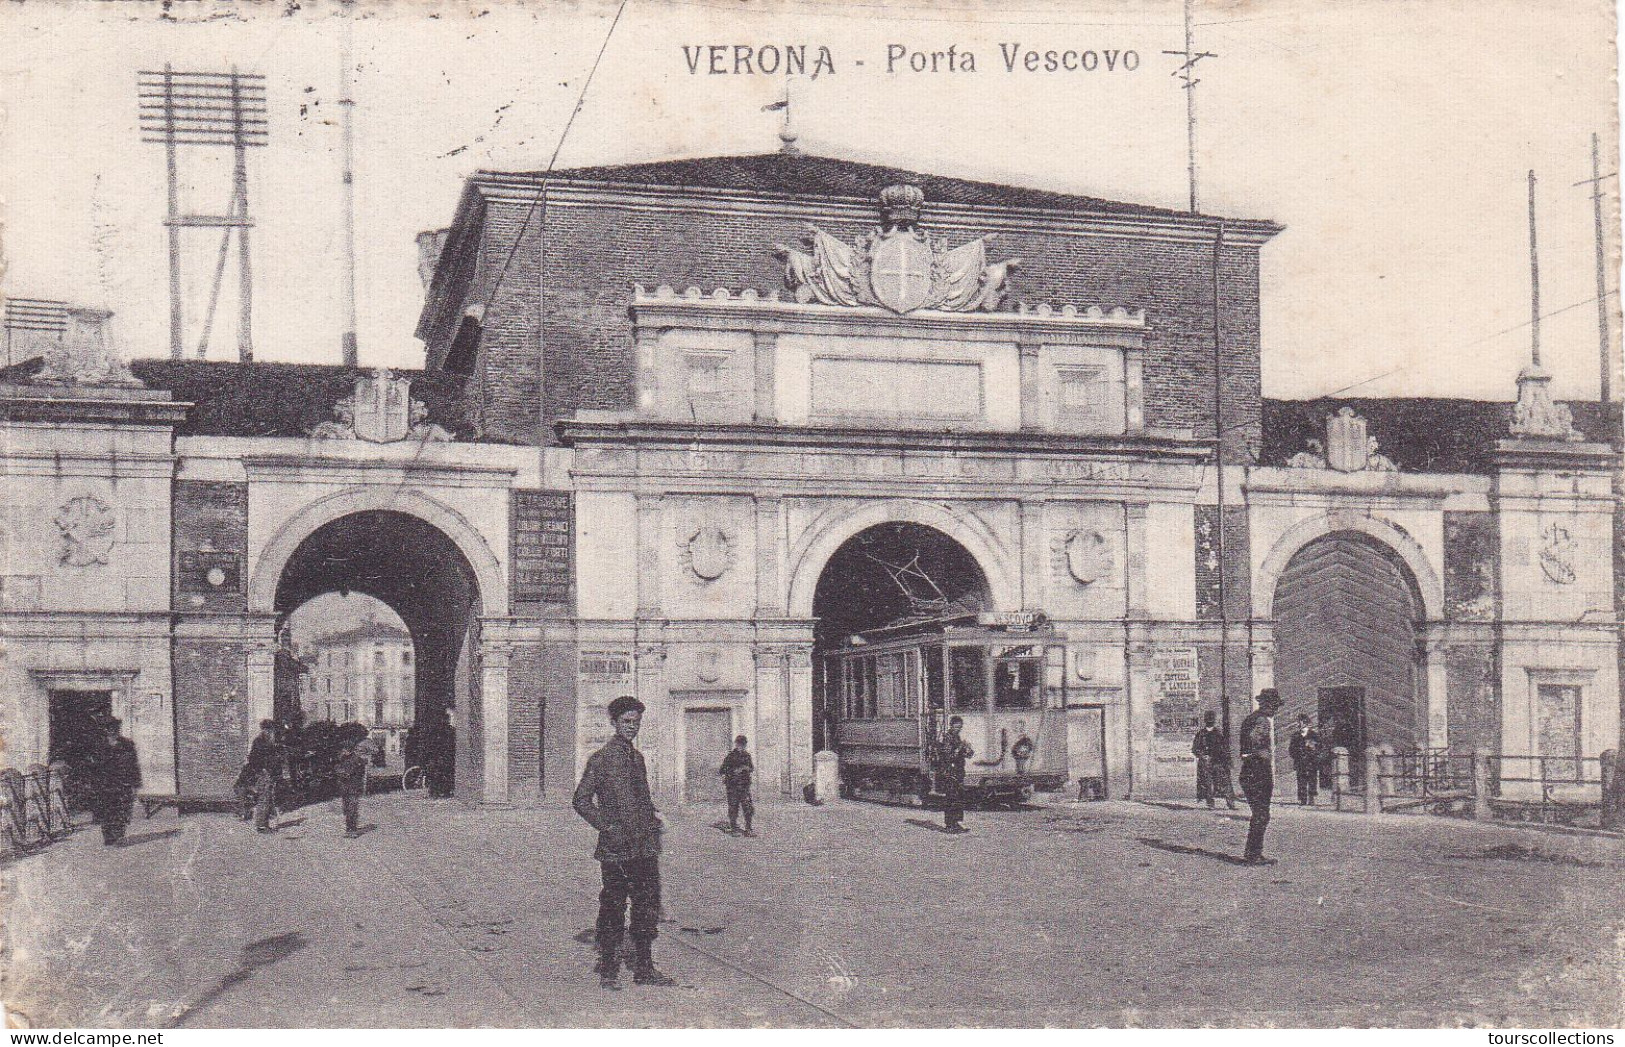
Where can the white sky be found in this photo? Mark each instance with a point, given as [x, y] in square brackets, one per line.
[1392, 139]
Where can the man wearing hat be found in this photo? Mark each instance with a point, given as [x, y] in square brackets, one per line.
[614, 799]
[264, 772]
[1257, 776]
[117, 776]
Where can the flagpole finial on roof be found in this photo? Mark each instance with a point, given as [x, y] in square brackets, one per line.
[787, 134]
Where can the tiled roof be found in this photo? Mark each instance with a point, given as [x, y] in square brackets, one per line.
[266, 399]
[373, 630]
[804, 175]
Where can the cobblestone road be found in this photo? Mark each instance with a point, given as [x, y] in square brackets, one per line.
[1100, 914]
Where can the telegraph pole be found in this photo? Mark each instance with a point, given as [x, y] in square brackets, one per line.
[1604, 350]
[209, 110]
[1534, 281]
[1187, 75]
[347, 129]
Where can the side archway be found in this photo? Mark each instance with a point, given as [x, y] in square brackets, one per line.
[1428, 589]
[267, 572]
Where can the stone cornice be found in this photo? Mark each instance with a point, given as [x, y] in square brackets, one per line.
[87, 405]
[1554, 456]
[722, 309]
[587, 431]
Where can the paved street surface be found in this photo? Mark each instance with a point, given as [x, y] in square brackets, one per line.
[1100, 914]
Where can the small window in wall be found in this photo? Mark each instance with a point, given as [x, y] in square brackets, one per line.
[704, 373]
[1085, 396]
[1557, 730]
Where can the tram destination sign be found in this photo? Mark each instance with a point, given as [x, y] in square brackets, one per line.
[543, 547]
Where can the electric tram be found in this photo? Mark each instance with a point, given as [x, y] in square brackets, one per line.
[892, 690]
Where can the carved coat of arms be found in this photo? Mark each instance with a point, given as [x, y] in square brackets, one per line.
[708, 552]
[87, 525]
[380, 409]
[1087, 555]
[1557, 554]
[896, 266]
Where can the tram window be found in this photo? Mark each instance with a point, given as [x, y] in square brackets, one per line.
[870, 706]
[1015, 684]
[890, 696]
[911, 683]
[933, 676]
[967, 667]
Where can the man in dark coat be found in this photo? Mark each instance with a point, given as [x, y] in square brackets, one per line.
[951, 756]
[613, 797]
[116, 776]
[1212, 751]
[737, 768]
[350, 773]
[264, 773]
[1257, 776]
[1306, 752]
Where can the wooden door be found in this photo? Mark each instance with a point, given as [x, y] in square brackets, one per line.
[708, 735]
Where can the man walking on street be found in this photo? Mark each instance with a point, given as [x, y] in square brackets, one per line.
[736, 771]
[264, 773]
[614, 799]
[1306, 754]
[1212, 751]
[1257, 776]
[117, 777]
[351, 775]
[951, 757]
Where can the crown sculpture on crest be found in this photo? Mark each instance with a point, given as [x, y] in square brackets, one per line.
[896, 265]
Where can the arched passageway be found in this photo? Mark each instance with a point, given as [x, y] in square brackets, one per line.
[415, 569]
[1347, 615]
[882, 575]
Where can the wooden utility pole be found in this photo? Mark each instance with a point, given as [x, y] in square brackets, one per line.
[1604, 349]
[172, 219]
[347, 340]
[1187, 74]
[1534, 281]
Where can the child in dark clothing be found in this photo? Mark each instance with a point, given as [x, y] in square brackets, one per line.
[736, 771]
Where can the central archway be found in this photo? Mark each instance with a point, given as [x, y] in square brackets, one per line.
[885, 574]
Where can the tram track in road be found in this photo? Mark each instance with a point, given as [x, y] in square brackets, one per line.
[400, 877]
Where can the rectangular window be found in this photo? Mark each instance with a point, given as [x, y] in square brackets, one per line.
[1016, 683]
[1085, 396]
[1557, 730]
[967, 670]
[378, 711]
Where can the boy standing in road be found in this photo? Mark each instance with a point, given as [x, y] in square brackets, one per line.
[736, 771]
[614, 799]
[351, 774]
[951, 757]
[1257, 776]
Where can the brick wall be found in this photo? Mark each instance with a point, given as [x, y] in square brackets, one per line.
[212, 714]
[1474, 680]
[581, 355]
[210, 516]
[541, 723]
[1472, 560]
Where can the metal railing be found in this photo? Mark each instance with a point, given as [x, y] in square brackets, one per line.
[1475, 784]
[33, 807]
